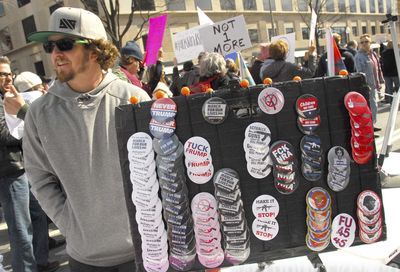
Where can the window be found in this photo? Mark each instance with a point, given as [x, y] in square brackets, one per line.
[249, 5]
[373, 30]
[330, 6]
[29, 26]
[143, 4]
[372, 8]
[305, 32]
[203, 4]
[270, 33]
[354, 30]
[302, 5]
[176, 5]
[380, 7]
[364, 29]
[228, 4]
[363, 7]
[2, 13]
[342, 6]
[382, 28]
[388, 6]
[341, 30]
[39, 68]
[269, 5]
[287, 5]
[22, 3]
[55, 6]
[5, 40]
[289, 30]
[253, 34]
[353, 5]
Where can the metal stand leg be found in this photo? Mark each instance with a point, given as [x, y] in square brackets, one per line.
[316, 262]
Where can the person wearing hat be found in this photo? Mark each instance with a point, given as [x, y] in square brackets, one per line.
[130, 64]
[70, 143]
[26, 221]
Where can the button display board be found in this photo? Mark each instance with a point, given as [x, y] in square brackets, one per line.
[226, 142]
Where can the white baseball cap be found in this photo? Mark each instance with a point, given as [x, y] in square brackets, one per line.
[26, 81]
[74, 22]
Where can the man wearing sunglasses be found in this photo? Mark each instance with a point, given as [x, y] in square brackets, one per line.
[367, 61]
[70, 145]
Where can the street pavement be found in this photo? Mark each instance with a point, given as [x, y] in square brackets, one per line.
[60, 253]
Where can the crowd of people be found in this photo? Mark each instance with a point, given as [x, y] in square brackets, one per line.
[69, 152]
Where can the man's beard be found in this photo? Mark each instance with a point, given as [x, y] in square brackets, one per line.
[67, 76]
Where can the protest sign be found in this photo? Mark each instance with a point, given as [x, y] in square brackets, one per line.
[226, 36]
[187, 44]
[203, 18]
[290, 40]
[155, 38]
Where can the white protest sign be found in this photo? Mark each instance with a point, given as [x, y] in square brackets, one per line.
[187, 44]
[203, 18]
[290, 40]
[226, 36]
[313, 25]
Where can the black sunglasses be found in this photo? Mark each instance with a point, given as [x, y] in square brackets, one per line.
[62, 45]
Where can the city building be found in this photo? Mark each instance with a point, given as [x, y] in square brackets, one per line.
[350, 18]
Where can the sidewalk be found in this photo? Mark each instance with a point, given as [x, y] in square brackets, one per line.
[58, 254]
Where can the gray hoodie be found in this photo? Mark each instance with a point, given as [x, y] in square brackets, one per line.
[71, 158]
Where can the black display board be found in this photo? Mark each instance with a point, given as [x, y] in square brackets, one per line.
[226, 142]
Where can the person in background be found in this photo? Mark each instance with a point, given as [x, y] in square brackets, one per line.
[389, 70]
[260, 63]
[70, 144]
[367, 62]
[213, 71]
[155, 74]
[130, 64]
[232, 69]
[186, 78]
[281, 70]
[352, 47]
[26, 221]
[347, 56]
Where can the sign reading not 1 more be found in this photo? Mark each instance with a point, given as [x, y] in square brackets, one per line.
[226, 36]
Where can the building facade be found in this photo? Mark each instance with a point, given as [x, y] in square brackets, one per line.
[350, 18]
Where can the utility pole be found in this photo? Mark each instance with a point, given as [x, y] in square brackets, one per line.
[272, 19]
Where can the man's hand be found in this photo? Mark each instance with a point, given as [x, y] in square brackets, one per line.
[13, 101]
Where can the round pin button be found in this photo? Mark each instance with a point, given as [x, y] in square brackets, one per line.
[343, 230]
[265, 230]
[311, 145]
[271, 100]
[355, 103]
[286, 188]
[265, 206]
[308, 125]
[318, 199]
[369, 202]
[162, 129]
[215, 110]
[197, 149]
[307, 106]
[258, 133]
[282, 153]
[139, 144]
[163, 110]
[166, 146]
